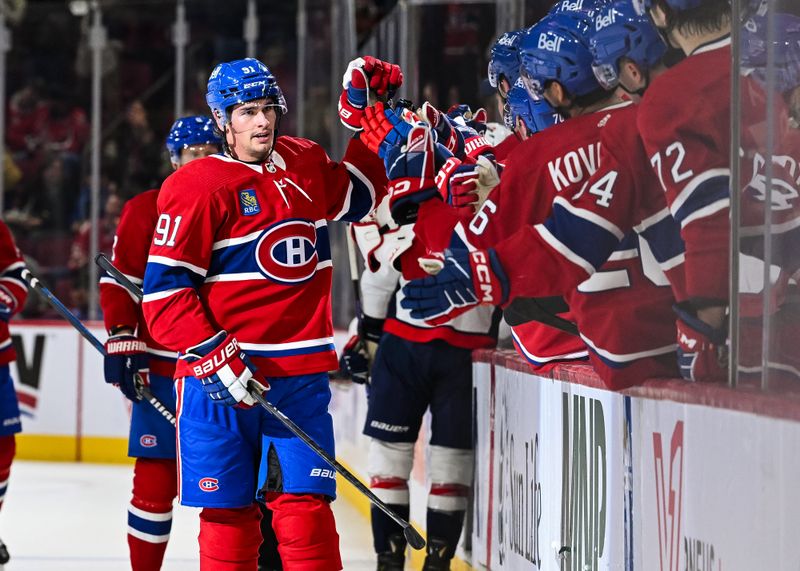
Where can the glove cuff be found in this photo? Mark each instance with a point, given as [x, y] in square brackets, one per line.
[686, 313]
[372, 328]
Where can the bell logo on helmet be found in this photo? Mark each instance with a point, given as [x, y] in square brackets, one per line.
[550, 42]
[604, 20]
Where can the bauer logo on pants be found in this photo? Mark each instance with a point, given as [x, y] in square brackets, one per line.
[208, 484]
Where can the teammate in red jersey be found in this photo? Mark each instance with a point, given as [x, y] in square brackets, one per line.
[13, 292]
[689, 150]
[629, 289]
[133, 355]
[239, 281]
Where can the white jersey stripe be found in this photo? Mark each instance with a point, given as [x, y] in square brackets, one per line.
[173, 263]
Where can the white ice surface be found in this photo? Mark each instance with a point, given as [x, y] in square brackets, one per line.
[73, 517]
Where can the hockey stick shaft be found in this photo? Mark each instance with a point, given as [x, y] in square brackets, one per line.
[36, 284]
[412, 535]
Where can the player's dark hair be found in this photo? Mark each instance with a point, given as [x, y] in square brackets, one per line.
[585, 100]
[711, 16]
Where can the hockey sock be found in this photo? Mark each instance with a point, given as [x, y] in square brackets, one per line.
[306, 532]
[8, 446]
[268, 557]
[394, 493]
[150, 512]
[229, 539]
[447, 505]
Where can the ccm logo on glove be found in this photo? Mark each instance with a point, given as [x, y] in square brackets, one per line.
[217, 359]
[484, 275]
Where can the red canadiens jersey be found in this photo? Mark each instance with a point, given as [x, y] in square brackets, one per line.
[131, 245]
[553, 163]
[504, 147]
[11, 266]
[607, 250]
[244, 248]
[687, 140]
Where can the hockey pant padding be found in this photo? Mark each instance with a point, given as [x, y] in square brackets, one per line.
[306, 532]
[229, 538]
[8, 447]
[450, 473]
[155, 485]
[389, 467]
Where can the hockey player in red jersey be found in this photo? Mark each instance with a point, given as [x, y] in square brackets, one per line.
[13, 292]
[689, 152]
[416, 367]
[238, 280]
[133, 356]
[597, 223]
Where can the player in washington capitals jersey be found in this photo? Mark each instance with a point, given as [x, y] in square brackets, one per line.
[417, 366]
[13, 293]
[131, 352]
[238, 280]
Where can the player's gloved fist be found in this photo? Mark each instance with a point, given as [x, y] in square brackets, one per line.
[8, 303]
[384, 128]
[702, 349]
[446, 133]
[384, 77]
[411, 174]
[126, 364]
[476, 120]
[224, 370]
[353, 99]
[466, 279]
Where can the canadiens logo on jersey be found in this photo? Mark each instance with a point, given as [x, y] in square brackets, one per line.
[287, 251]
[248, 202]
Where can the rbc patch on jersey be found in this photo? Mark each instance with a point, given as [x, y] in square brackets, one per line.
[248, 202]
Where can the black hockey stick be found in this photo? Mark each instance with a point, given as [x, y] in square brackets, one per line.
[413, 537]
[141, 388]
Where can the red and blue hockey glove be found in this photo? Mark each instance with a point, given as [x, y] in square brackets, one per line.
[702, 349]
[446, 133]
[476, 120]
[411, 174]
[362, 74]
[467, 279]
[126, 364]
[468, 184]
[384, 128]
[8, 303]
[224, 370]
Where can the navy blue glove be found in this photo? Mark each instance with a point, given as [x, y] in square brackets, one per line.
[126, 364]
[224, 370]
[8, 304]
[355, 360]
[412, 175]
[466, 279]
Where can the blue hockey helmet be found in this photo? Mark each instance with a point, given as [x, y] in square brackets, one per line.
[578, 6]
[557, 49]
[786, 49]
[537, 114]
[504, 61]
[239, 81]
[619, 31]
[643, 6]
[189, 131]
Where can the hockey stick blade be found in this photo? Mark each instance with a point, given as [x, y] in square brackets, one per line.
[412, 535]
